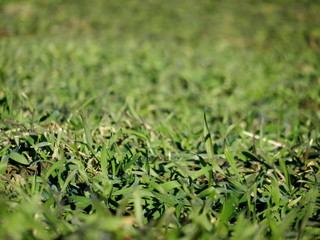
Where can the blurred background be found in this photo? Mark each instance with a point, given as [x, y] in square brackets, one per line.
[239, 59]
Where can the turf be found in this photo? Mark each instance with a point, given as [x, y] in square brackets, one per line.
[159, 120]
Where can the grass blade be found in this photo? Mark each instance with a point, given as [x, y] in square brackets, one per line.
[19, 158]
[87, 133]
[209, 146]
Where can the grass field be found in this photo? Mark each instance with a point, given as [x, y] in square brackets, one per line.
[159, 119]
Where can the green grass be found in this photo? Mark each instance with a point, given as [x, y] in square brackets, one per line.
[159, 120]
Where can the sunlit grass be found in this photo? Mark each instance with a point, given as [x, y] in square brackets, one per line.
[162, 120]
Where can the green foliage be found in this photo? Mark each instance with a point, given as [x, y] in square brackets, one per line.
[161, 120]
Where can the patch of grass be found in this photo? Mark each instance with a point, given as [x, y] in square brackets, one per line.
[161, 120]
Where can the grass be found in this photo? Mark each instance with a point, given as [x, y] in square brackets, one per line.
[161, 120]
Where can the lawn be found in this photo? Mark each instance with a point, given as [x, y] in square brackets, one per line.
[159, 119]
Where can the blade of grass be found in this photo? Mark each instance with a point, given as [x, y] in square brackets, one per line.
[232, 163]
[209, 147]
[138, 211]
[19, 158]
[87, 133]
[3, 164]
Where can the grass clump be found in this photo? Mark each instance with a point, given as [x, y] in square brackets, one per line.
[161, 120]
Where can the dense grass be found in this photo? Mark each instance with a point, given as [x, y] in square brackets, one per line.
[159, 120]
